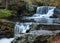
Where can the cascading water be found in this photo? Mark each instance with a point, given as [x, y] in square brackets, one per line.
[43, 12]
[21, 27]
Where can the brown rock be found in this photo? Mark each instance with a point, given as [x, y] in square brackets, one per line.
[55, 39]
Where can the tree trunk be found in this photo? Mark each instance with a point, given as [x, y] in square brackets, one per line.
[6, 7]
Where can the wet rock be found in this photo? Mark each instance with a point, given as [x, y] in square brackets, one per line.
[36, 36]
[57, 12]
[49, 27]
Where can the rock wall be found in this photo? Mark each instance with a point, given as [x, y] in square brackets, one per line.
[6, 30]
[49, 27]
[45, 26]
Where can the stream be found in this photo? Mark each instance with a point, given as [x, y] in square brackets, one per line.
[42, 15]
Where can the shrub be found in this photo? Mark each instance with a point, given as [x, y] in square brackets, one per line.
[5, 13]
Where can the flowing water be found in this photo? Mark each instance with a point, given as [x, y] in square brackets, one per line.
[6, 40]
[43, 14]
[21, 27]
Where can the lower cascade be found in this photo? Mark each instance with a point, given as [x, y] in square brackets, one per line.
[21, 27]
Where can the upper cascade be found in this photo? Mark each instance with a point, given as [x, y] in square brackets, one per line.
[42, 12]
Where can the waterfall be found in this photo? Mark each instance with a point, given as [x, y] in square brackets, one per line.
[42, 12]
[21, 27]
[42, 15]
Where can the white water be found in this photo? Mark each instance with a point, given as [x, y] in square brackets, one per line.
[21, 27]
[42, 12]
[6, 40]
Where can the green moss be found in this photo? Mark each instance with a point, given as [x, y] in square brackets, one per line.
[5, 13]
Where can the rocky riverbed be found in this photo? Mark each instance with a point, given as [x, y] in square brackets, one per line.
[38, 36]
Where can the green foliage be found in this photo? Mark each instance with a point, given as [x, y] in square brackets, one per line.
[5, 13]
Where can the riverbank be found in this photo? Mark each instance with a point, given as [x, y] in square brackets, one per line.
[6, 29]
